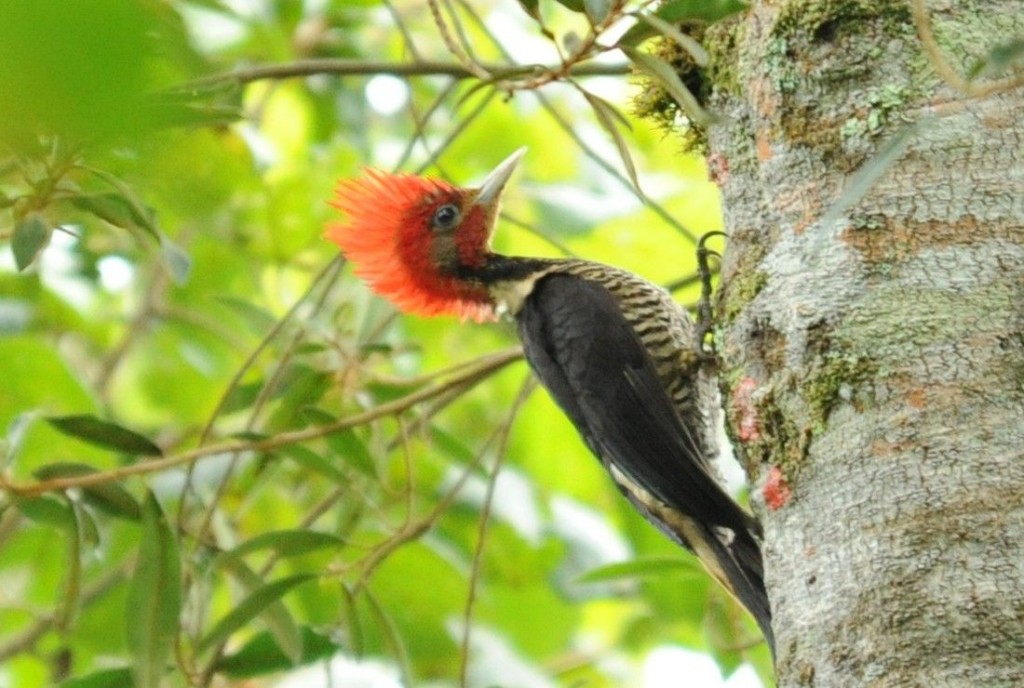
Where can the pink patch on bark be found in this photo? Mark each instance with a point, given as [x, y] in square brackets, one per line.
[718, 168]
[748, 428]
[776, 490]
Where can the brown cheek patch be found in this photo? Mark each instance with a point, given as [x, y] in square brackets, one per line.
[471, 238]
[388, 237]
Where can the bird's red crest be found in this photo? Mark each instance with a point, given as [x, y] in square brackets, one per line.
[389, 239]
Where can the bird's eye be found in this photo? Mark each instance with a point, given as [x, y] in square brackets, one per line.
[446, 217]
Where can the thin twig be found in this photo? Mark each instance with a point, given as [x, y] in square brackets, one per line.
[345, 67]
[404, 30]
[453, 46]
[327, 273]
[529, 384]
[411, 530]
[488, 366]
[420, 121]
[152, 296]
[568, 128]
[268, 387]
[687, 281]
[583, 50]
[536, 232]
[42, 625]
[945, 70]
[458, 130]
[216, 327]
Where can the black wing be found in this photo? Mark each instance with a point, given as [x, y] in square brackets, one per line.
[595, 366]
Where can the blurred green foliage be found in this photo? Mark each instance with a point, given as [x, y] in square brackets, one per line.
[165, 281]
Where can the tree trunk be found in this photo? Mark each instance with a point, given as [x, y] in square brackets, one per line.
[874, 364]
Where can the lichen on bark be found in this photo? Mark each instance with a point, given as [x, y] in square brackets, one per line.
[875, 361]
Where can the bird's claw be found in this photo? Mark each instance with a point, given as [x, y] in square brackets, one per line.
[705, 315]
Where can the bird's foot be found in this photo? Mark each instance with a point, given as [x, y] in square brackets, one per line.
[705, 315]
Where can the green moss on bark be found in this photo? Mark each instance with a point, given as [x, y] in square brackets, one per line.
[834, 378]
[779, 441]
[790, 57]
[822, 20]
[743, 288]
[654, 103]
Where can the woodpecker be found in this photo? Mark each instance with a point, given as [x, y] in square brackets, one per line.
[617, 354]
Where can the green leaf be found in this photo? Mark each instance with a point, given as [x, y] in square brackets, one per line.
[309, 459]
[392, 636]
[219, 7]
[607, 116]
[17, 429]
[108, 497]
[597, 10]
[451, 445]
[574, 5]
[709, 11]
[285, 543]
[105, 678]
[119, 207]
[30, 237]
[636, 568]
[83, 529]
[869, 173]
[531, 7]
[101, 433]
[103, 51]
[999, 58]
[376, 348]
[46, 511]
[154, 598]
[678, 11]
[89, 531]
[116, 209]
[345, 443]
[688, 43]
[241, 396]
[178, 264]
[310, 348]
[275, 615]
[259, 320]
[391, 390]
[261, 655]
[351, 448]
[180, 114]
[299, 389]
[663, 72]
[251, 607]
[353, 624]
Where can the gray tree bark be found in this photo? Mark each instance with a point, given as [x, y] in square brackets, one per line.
[874, 364]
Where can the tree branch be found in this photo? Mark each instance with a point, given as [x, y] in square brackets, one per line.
[470, 377]
[344, 67]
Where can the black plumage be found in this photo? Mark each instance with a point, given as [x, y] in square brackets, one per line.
[615, 351]
[619, 357]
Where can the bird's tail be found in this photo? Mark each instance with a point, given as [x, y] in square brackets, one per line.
[738, 559]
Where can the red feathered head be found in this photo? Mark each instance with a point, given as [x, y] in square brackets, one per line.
[411, 238]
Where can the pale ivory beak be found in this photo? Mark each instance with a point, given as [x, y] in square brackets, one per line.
[490, 190]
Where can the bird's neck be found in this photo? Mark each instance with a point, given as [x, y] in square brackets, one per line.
[508, 279]
[499, 268]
